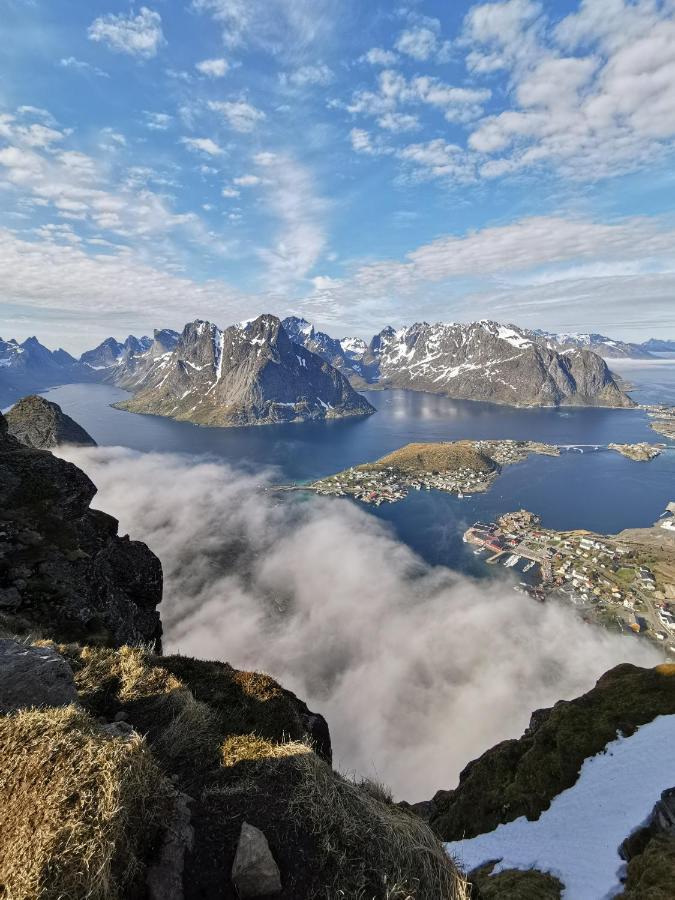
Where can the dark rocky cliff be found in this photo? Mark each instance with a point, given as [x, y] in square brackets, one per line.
[64, 571]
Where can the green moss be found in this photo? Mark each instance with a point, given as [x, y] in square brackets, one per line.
[651, 874]
[514, 884]
[521, 777]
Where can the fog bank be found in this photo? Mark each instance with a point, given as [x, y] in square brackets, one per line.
[417, 669]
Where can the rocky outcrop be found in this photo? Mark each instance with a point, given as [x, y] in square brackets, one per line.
[521, 777]
[33, 677]
[42, 425]
[64, 571]
[249, 374]
[254, 871]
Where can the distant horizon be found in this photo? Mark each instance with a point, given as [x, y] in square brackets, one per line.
[77, 349]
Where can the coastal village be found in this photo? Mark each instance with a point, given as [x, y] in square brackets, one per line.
[625, 581]
[663, 419]
[458, 467]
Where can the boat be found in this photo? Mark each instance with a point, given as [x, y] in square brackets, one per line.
[530, 565]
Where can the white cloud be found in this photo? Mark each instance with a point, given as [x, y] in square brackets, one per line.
[203, 145]
[420, 43]
[362, 142]
[247, 180]
[230, 192]
[71, 62]
[157, 121]
[139, 35]
[609, 110]
[293, 200]
[240, 115]
[214, 68]
[307, 75]
[546, 271]
[438, 159]
[280, 27]
[67, 292]
[376, 56]
[397, 122]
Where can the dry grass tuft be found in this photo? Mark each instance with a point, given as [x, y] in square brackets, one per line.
[373, 847]
[251, 748]
[80, 809]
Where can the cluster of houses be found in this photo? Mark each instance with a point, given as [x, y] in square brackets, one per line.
[389, 484]
[595, 574]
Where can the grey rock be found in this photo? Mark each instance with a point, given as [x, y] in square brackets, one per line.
[165, 878]
[254, 872]
[249, 374]
[33, 677]
[84, 582]
[118, 729]
[40, 424]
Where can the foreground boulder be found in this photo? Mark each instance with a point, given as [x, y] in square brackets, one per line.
[41, 424]
[33, 676]
[64, 571]
[255, 872]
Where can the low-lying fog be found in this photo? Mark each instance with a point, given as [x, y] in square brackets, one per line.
[417, 669]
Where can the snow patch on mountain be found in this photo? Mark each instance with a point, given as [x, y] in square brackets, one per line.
[577, 839]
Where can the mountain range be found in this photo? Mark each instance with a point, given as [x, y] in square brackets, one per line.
[289, 371]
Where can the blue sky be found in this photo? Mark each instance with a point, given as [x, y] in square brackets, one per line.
[357, 163]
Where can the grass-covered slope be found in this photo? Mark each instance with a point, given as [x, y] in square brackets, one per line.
[521, 777]
[416, 458]
[242, 748]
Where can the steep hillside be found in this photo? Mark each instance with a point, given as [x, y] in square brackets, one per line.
[250, 374]
[127, 774]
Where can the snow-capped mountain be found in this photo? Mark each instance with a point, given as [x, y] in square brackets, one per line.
[29, 367]
[133, 368]
[482, 361]
[655, 345]
[246, 374]
[111, 353]
[598, 343]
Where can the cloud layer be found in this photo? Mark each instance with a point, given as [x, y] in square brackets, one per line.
[418, 670]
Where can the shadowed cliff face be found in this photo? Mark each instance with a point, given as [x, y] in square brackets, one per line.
[64, 571]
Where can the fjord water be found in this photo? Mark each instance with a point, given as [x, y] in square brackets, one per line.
[597, 489]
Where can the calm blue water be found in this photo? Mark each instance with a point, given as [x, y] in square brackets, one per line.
[598, 490]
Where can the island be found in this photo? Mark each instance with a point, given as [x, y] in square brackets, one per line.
[642, 452]
[624, 581]
[457, 467]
